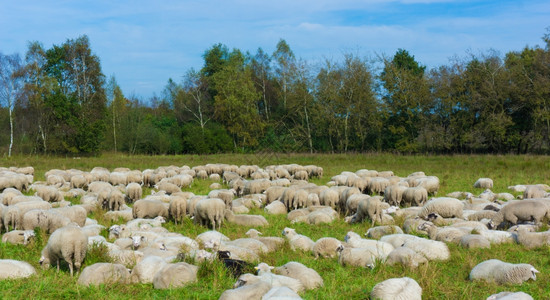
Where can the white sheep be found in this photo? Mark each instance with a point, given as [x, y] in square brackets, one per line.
[210, 211]
[404, 288]
[273, 279]
[446, 207]
[380, 231]
[416, 195]
[405, 256]
[444, 234]
[379, 248]
[14, 269]
[145, 270]
[103, 273]
[211, 236]
[275, 208]
[133, 192]
[177, 208]
[532, 239]
[245, 220]
[145, 208]
[21, 237]
[273, 243]
[500, 272]
[522, 211]
[359, 257]
[474, 241]
[68, 243]
[307, 276]
[297, 241]
[175, 275]
[49, 194]
[510, 296]
[484, 183]
[326, 247]
[397, 239]
[432, 250]
[247, 291]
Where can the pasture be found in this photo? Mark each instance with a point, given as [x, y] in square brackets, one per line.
[439, 280]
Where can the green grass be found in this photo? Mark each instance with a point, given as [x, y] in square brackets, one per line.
[439, 280]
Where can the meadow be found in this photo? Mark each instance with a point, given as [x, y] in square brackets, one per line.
[439, 280]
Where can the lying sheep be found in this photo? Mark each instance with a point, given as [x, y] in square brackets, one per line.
[309, 278]
[474, 241]
[432, 250]
[273, 279]
[510, 296]
[380, 231]
[397, 288]
[380, 249]
[245, 220]
[359, 257]
[68, 243]
[500, 272]
[532, 239]
[18, 237]
[175, 275]
[15, 269]
[272, 242]
[103, 273]
[534, 191]
[248, 291]
[297, 241]
[406, 257]
[275, 208]
[145, 270]
[325, 247]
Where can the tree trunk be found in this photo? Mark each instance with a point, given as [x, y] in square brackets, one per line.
[310, 142]
[11, 128]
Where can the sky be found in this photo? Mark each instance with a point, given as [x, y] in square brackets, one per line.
[144, 43]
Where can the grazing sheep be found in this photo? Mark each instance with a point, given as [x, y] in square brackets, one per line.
[404, 288]
[15, 269]
[405, 256]
[133, 192]
[495, 270]
[415, 196]
[484, 183]
[393, 194]
[272, 242]
[510, 296]
[325, 247]
[309, 278]
[532, 239]
[359, 257]
[430, 183]
[18, 237]
[273, 193]
[145, 208]
[49, 194]
[68, 243]
[474, 241]
[378, 185]
[245, 220]
[297, 241]
[177, 208]
[103, 273]
[380, 231]
[210, 211]
[175, 276]
[13, 214]
[48, 220]
[521, 211]
[145, 270]
[329, 197]
[444, 206]
[75, 213]
[253, 291]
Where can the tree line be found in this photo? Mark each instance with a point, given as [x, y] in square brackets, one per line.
[58, 101]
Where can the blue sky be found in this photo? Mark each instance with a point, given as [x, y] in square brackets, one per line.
[144, 43]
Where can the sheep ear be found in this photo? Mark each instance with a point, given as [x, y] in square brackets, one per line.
[271, 268]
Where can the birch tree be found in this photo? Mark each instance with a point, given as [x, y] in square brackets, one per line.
[11, 84]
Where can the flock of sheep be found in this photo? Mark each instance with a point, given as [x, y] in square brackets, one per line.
[143, 251]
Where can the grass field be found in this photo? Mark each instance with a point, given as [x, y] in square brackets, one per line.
[439, 280]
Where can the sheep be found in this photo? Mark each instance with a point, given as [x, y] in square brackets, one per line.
[380, 248]
[211, 236]
[273, 243]
[443, 234]
[138, 223]
[329, 197]
[521, 211]
[68, 243]
[15, 269]
[79, 182]
[235, 266]
[21, 237]
[444, 206]
[210, 211]
[49, 194]
[145, 270]
[380, 231]
[226, 195]
[245, 220]
[325, 247]
[500, 272]
[13, 214]
[257, 186]
[378, 185]
[404, 288]
[415, 196]
[359, 257]
[393, 194]
[253, 291]
[309, 278]
[281, 292]
[532, 239]
[430, 183]
[534, 191]
[115, 216]
[128, 258]
[75, 213]
[177, 208]
[133, 192]
[48, 220]
[432, 250]
[273, 193]
[405, 256]
[145, 208]
[297, 241]
[175, 276]
[264, 274]
[474, 241]
[484, 183]
[103, 273]
[498, 237]
[510, 296]
[397, 239]
[275, 208]
[251, 244]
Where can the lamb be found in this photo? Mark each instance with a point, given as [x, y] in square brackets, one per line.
[175, 276]
[15, 269]
[521, 211]
[532, 239]
[510, 296]
[359, 257]
[432, 250]
[145, 208]
[380, 231]
[133, 192]
[245, 220]
[297, 241]
[397, 288]
[103, 273]
[325, 247]
[177, 208]
[444, 206]
[145, 270]
[309, 278]
[18, 237]
[253, 291]
[273, 243]
[68, 243]
[405, 256]
[500, 272]
[210, 211]
[484, 183]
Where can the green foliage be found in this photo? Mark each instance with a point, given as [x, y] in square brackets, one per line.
[213, 138]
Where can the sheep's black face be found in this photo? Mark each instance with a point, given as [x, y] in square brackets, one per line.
[224, 254]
